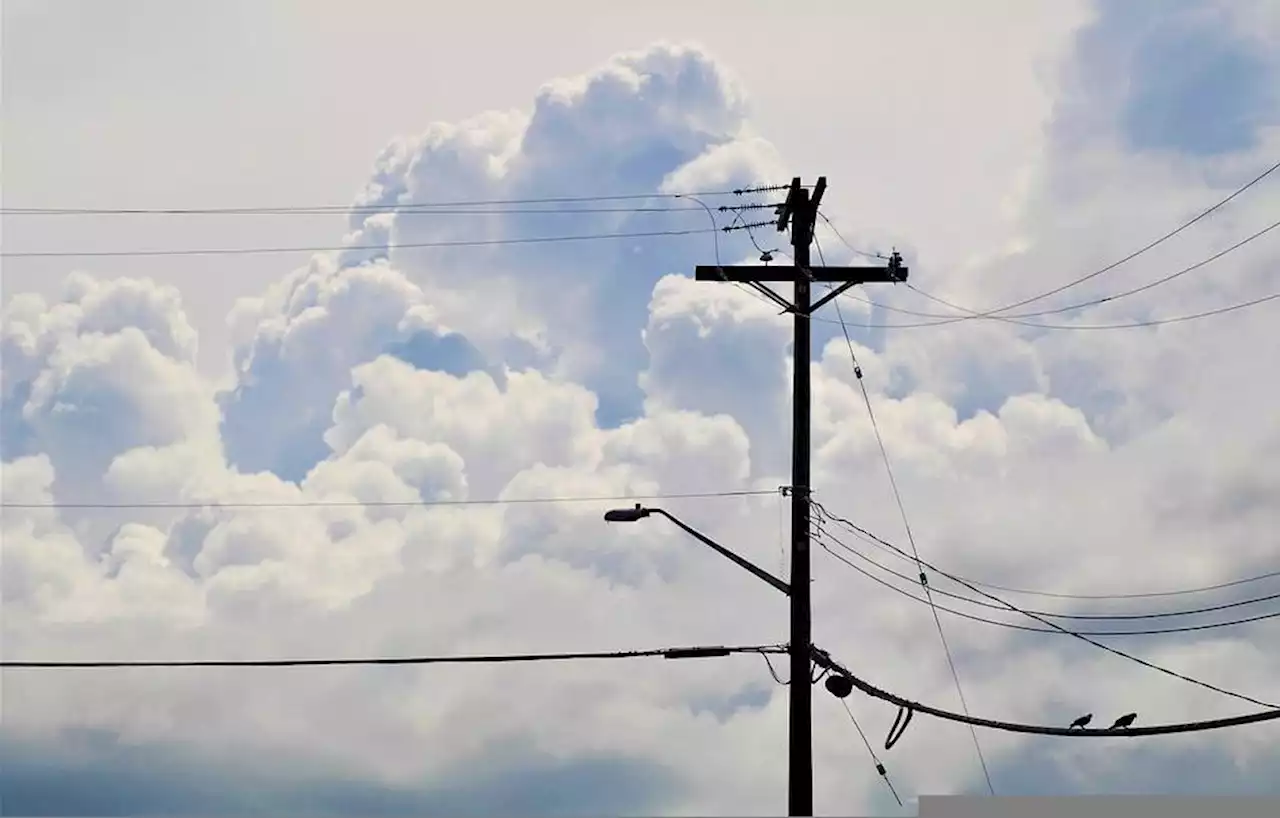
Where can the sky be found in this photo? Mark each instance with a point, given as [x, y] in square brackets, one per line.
[1004, 148]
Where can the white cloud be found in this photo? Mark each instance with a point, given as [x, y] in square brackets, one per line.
[1066, 462]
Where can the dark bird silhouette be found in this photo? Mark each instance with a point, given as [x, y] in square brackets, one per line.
[1083, 720]
[1124, 721]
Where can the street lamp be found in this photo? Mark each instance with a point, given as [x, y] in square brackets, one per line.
[631, 515]
[626, 515]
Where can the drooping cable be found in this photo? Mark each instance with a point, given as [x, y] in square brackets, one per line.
[715, 237]
[1108, 597]
[1145, 323]
[1055, 615]
[1149, 246]
[1107, 268]
[1018, 319]
[910, 706]
[1089, 640]
[817, 539]
[1144, 595]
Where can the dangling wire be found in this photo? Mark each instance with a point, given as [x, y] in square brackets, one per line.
[715, 236]
[899, 726]
[773, 672]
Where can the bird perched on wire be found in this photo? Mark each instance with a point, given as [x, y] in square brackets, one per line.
[1124, 721]
[1082, 721]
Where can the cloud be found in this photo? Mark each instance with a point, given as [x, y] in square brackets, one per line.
[1196, 83]
[645, 120]
[1070, 462]
[75, 777]
[300, 342]
[106, 369]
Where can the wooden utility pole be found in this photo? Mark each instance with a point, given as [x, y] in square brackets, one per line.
[800, 211]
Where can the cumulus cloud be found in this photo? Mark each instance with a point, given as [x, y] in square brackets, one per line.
[299, 343]
[106, 369]
[376, 392]
[647, 120]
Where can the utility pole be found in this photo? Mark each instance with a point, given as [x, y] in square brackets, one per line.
[800, 211]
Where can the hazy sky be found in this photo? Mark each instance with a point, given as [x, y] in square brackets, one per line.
[1006, 148]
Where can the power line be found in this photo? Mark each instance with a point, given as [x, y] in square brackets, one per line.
[1080, 280]
[349, 208]
[1146, 595]
[906, 524]
[1154, 322]
[909, 706]
[396, 210]
[1016, 318]
[500, 501]
[1054, 615]
[242, 251]
[1116, 651]
[1149, 246]
[474, 659]
[1026, 628]
[1159, 322]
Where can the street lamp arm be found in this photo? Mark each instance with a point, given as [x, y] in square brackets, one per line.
[754, 569]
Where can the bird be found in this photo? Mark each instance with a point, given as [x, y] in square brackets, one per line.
[1082, 721]
[1124, 721]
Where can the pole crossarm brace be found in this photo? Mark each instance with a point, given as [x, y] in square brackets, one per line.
[799, 213]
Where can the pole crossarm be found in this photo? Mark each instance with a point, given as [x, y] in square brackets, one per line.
[779, 273]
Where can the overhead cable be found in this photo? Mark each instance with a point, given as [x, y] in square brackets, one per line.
[372, 210]
[1055, 615]
[386, 248]
[473, 659]
[1017, 318]
[498, 501]
[392, 207]
[1108, 597]
[1031, 628]
[1089, 640]
[911, 706]
[1107, 268]
[1139, 324]
[1144, 595]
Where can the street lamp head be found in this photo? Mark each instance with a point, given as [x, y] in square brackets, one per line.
[626, 515]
